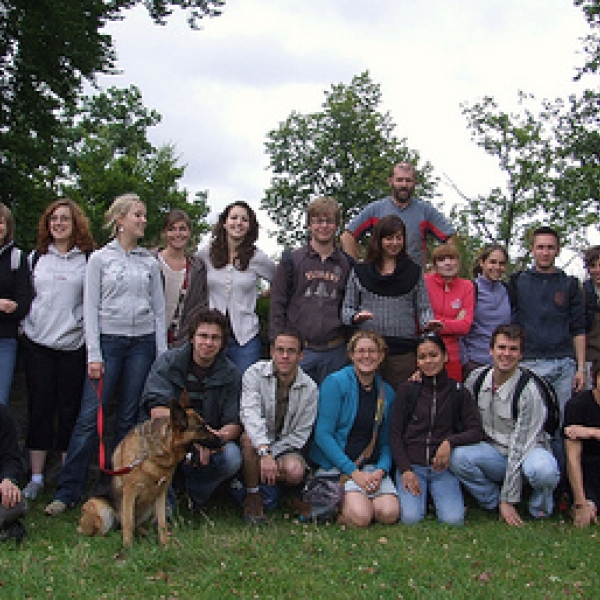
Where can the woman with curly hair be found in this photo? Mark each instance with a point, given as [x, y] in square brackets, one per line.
[53, 340]
[234, 265]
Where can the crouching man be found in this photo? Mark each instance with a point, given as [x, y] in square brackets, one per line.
[277, 408]
[516, 444]
[213, 385]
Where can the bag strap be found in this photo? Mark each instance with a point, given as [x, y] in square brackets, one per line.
[379, 410]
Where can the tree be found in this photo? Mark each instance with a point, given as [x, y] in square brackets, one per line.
[346, 151]
[48, 49]
[110, 137]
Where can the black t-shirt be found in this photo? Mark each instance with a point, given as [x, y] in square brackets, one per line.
[362, 429]
[584, 410]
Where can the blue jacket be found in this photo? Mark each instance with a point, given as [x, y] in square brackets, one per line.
[338, 404]
[549, 307]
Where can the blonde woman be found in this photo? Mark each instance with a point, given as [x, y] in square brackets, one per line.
[124, 312]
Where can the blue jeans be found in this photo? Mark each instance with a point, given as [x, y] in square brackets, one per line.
[243, 356]
[317, 364]
[127, 361]
[559, 373]
[201, 481]
[481, 469]
[445, 492]
[8, 357]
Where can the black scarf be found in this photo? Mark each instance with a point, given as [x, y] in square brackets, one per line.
[403, 280]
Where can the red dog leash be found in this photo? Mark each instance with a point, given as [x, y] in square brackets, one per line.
[101, 451]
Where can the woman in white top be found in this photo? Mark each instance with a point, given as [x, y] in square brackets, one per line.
[53, 338]
[234, 265]
[124, 314]
[184, 277]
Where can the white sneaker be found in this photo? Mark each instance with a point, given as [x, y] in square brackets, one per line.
[32, 490]
[55, 508]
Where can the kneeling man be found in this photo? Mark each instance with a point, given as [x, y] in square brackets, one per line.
[213, 384]
[517, 445]
[278, 409]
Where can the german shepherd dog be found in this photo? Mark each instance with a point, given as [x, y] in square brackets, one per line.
[153, 448]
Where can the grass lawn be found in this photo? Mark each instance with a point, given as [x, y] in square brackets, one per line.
[217, 557]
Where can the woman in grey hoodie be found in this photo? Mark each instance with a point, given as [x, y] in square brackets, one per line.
[53, 338]
[124, 314]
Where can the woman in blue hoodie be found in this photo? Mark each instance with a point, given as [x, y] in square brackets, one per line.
[125, 329]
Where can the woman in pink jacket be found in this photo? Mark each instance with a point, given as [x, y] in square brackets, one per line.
[453, 302]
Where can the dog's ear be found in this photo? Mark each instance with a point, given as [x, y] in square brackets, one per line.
[178, 416]
[184, 399]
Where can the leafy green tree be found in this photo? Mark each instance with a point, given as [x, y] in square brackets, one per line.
[110, 139]
[48, 49]
[345, 151]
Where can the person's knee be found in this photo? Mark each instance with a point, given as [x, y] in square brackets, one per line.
[411, 516]
[542, 472]
[232, 459]
[386, 509]
[357, 512]
[461, 460]
[455, 517]
[292, 470]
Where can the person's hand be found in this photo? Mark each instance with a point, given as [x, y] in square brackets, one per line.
[362, 480]
[509, 514]
[441, 460]
[7, 306]
[417, 376]
[160, 411]
[203, 454]
[268, 469]
[95, 370]
[11, 494]
[410, 482]
[361, 316]
[584, 514]
[375, 478]
[434, 326]
[578, 432]
[579, 381]
[462, 313]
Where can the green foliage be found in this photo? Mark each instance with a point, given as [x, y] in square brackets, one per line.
[48, 49]
[110, 138]
[345, 151]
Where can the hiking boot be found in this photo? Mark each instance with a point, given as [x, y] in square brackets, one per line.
[55, 508]
[254, 513]
[32, 490]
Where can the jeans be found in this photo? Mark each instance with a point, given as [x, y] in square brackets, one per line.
[317, 364]
[127, 361]
[8, 357]
[559, 373]
[445, 492]
[201, 481]
[481, 469]
[246, 355]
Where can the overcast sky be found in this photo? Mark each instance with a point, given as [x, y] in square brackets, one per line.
[222, 89]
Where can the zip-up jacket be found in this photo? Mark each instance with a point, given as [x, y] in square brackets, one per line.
[415, 438]
[14, 285]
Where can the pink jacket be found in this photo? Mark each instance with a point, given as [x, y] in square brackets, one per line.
[448, 299]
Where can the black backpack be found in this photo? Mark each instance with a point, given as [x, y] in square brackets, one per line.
[546, 391]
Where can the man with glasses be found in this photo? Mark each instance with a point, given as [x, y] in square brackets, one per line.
[277, 409]
[420, 217]
[213, 384]
[308, 291]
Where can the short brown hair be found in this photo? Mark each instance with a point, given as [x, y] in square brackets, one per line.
[510, 330]
[444, 251]
[211, 316]
[590, 256]
[323, 205]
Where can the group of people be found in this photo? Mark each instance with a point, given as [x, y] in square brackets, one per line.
[401, 384]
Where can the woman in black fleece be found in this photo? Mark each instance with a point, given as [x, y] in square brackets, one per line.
[430, 418]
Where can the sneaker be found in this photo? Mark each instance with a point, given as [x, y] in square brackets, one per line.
[254, 513]
[55, 508]
[32, 490]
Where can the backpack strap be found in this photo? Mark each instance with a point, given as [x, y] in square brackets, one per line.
[379, 410]
[479, 381]
[288, 263]
[15, 258]
[521, 383]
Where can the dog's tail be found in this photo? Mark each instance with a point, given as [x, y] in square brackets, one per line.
[97, 517]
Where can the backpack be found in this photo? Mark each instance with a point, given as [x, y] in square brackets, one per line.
[457, 399]
[546, 392]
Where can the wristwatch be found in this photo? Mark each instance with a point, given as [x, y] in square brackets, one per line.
[264, 451]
